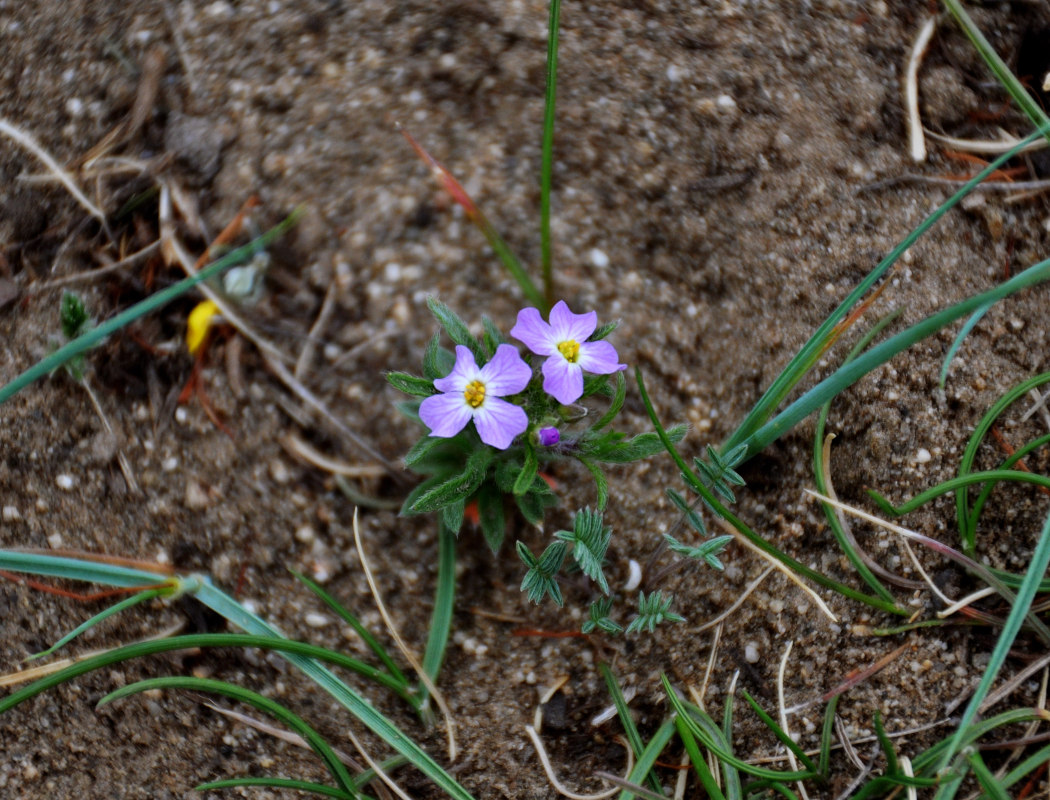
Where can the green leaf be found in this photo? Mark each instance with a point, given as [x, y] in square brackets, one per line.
[493, 337]
[458, 487]
[535, 501]
[74, 316]
[456, 328]
[601, 483]
[600, 619]
[540, 580]
[652, 611]
[490, 515]
[417, 457]
[437, 360]
[641, 446]
[527, 475]
[411, 384]
[615, 406]
[452, 515]
[680, 503]
[603, 331]
[590, 540]
[708, 551]
[596, 384]
[716, 473]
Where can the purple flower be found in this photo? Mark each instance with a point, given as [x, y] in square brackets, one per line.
[569, 353]
[472, 393]
[549, 436]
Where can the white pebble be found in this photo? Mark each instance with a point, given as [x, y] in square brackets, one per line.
[751, 652]
[598, 258]
[315, 620]
[11, 514]
[726, 102]
[922, 456]
[54, 541]
[65, 482]
[169, 464]
[634, 577]
[181, 415]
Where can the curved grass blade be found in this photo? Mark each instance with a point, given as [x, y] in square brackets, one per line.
[92, 338]
[703, 772]
[713, 502]
[850, 373]
[1013, 86]
[290, 719]
[365, 634]
[277, 783]
[970, 453]
[1020, 609]
[794, 371]
[647, 758]
[627, 721]
[444, 606]
[116, 608]
[547, 151]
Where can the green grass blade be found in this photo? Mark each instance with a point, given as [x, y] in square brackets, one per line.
[547, 151]
[277, 783]
[703, 772]
[721, 752]
[365, 634]
[92, 338]
[648, 756]
[444, 606]
[850, 373]
[1002, 72]
[290, 719]
[825, 737]
[1020, 609]
[987, 780]
[626, 720]
[794, 371]
[964, 331]
[781, 734]
[970, 453]
[713, 502]
[821, 479]
[116, 608]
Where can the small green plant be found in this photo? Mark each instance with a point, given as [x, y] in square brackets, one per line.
[496, 422]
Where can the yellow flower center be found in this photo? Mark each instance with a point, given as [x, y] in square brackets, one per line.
[570, 349]
[474, 394]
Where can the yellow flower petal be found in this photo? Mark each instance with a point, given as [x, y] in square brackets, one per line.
[197, 324]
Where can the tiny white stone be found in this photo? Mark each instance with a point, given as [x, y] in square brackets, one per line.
[181, 416]
[922, 456]
[169, 464]
[598, 258]
[305, 534]
[634, 576]
[751, 652]
[54, 541]
[11, 514]
[65, 482]
[315, 620]
[726, 102]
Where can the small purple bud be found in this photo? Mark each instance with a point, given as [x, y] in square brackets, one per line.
[549, 436]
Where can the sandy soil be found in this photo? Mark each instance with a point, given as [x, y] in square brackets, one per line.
[713, 190]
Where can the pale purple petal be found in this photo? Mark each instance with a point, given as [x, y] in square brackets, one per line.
[567, 326]
[498, 422]
[534, 333]
[599, 358]
[445, 414]
[506, 373]
[561, 380]
[464, 371]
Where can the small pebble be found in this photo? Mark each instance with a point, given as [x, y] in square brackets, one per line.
[54, 541]
[598, 258]
[751, 652]
[315, 620]
[65, 482]
[11, 514]
[922, 456]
